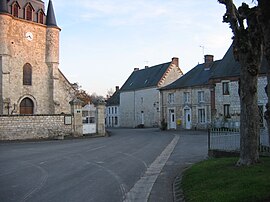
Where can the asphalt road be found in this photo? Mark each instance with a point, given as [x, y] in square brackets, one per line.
[131, 165]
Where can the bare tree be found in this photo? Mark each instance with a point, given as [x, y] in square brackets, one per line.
[248, 50]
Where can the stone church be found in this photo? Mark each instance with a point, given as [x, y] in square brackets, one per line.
[30, 80]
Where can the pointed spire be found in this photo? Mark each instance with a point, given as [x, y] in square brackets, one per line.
[50, 20]
[3, 6]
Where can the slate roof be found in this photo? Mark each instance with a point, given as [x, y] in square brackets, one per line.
[50, 19]
[228, 67]
[197, 76]
[145, 78]
[3, 6]
[114, 100]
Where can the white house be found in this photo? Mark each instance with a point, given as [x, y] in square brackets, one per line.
[112, 109]
[140, 97]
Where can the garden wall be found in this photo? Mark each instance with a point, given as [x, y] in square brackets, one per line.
[21, 127]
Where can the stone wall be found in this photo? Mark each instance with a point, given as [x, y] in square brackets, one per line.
[233, 100]
[21, 127]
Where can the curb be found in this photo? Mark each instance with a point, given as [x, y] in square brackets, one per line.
[178, 195]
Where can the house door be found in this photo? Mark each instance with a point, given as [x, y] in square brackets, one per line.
[187, 118]
[172, 122]
[142, 117]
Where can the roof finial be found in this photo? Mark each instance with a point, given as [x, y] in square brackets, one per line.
[3, 6]
[50, 20]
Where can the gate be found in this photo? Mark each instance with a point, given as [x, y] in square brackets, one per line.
[89, 119]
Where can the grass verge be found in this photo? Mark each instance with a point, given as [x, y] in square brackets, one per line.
[220, 180]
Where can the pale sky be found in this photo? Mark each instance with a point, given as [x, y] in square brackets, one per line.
[102, 41]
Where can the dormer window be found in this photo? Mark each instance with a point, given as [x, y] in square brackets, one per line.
[15, 9]
[29, 12]
[40, 16]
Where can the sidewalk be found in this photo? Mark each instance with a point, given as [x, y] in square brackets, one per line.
[191, 148]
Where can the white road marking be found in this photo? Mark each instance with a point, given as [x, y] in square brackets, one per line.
[141, 190]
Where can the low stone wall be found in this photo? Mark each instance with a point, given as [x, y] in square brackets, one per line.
[21, 127]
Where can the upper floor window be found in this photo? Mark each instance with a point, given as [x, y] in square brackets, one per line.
[40, 16]
[27, 74]
[15, 9]
[112, 110]
[115, 110]
[186, 97]
[171, 98]
[29, 12]
[225, 88]
[201, 96]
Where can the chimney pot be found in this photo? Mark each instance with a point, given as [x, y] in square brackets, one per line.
[175, 61]
[208, 59]
[136, 69]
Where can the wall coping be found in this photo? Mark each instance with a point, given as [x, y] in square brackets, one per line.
[34, 115]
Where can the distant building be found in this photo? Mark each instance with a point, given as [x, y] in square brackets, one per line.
[112, 109]
[31, 82]
[140, 97]
[186, 103]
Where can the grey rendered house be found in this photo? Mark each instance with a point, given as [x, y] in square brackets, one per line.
[140, 97]
[186, 103]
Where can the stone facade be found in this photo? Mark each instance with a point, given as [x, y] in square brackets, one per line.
[49, 90]
[181, 108]
[232, 100]
[22, 127]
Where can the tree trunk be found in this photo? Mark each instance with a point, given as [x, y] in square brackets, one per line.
[247, 44]
[249, 117]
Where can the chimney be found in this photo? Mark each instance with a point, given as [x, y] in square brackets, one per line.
[175, 61]
[146, 67]
[116, 88]
[136, 69]
[208, 60]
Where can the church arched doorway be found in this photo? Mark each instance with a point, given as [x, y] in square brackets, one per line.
[26, 106]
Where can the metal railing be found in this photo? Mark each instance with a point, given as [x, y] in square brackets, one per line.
[228, 139]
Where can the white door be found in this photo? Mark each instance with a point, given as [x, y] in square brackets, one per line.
[142, 117]
[172, 123]
[187, 118]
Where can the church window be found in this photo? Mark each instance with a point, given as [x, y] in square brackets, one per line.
[27, 74]
[29, 13]
[15, 10]
[26, 106]
[41, 17]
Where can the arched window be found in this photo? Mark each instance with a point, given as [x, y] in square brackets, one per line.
[15, 10]
[27, 74]
[26, 106]
[29, 13]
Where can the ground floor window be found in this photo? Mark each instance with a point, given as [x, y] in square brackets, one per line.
[227, 111]
[201, 116]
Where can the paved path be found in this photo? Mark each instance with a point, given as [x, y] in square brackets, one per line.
[102, 169]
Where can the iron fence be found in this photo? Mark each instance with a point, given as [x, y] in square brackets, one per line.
[228, 139]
